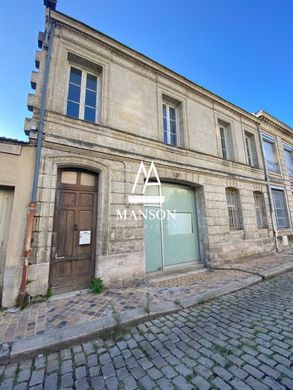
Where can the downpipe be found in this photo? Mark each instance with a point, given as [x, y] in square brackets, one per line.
[48, 43]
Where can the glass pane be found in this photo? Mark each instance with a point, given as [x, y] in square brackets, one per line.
[90, 114]
[165, 137]
[72, 109]
[165, 123]
[74, 93]
[173, 139]
[69, 177]
[91, 98]
[269, 151]
[173, 127]
[86, 179]
[172, 113]
[75, 76]
[182, 224]
[280, 209]
[164, 110]
[91, 82]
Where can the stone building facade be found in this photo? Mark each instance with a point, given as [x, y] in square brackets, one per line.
[108, 109]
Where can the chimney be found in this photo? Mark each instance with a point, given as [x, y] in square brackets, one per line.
[50, 4]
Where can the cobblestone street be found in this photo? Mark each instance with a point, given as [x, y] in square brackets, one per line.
[243, 341]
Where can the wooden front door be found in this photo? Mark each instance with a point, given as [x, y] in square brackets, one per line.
[74, 232]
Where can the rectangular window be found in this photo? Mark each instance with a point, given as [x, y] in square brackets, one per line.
[260, 209]
[250, 149]
[270, 154]
[280, 209]
[289, 162]
[226, 141]
[73, 100]
[82, 95]
[234, 209]
[170, 124]
[223, 143]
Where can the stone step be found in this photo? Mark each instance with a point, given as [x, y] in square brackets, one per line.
[177, 276]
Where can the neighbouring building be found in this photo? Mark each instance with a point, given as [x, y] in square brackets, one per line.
[16, 175]
[278, 147]
[108, 109]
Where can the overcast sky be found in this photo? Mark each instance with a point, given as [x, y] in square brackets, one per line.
[241, 50]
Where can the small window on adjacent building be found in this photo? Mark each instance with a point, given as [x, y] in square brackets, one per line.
[226, 141]
[260, 209]
[250, 149]
[234, 209]
[82, 99]
[172, 121]
[269, 146]
[280, 208]
[289, 162]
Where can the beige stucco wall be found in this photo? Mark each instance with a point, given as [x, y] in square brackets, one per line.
[16, 171]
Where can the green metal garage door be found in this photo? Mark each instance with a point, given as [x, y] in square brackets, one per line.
[171, 241]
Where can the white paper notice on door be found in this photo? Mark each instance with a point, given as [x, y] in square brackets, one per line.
[84, 237]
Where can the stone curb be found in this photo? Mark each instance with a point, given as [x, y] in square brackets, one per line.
[275, 271]
[59, 339]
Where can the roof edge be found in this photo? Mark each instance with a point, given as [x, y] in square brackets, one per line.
[13, 141]
[275, 121]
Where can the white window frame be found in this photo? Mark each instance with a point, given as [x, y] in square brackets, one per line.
[168, 106]
[250, 147]
[272, 141]
[288, 149]
[281, 190]
[226, 141]
[82, 104]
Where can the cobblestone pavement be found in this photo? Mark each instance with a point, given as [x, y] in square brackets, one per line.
[243, 341]
[45, 317]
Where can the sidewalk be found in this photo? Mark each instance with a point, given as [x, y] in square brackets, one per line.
[59, 321]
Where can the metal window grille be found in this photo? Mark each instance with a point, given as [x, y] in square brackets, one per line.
[260, 208]
[234, 209]
[280, 209]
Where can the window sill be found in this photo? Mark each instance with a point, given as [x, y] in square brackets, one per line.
[274, 173]
[81, 120]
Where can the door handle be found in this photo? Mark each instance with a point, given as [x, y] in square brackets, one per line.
[75, 227]
[57, 258]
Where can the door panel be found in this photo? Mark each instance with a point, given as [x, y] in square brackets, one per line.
[72, 264]
[6, 202]
[152, 236]
[65, 233]
[178, 236]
